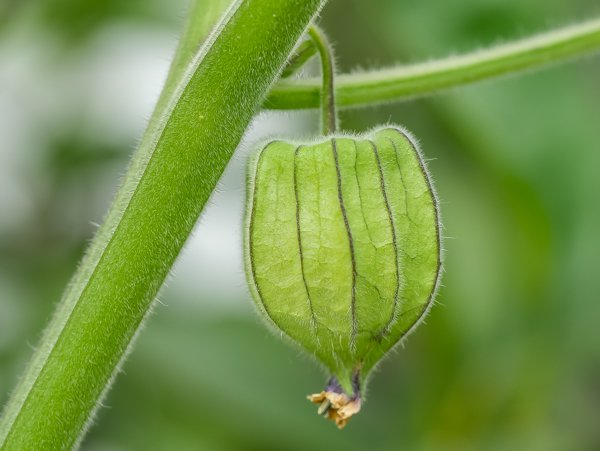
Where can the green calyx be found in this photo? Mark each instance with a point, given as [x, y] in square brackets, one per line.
[343, 246]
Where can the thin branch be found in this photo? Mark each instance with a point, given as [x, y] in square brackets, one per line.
[406, 82]
[304, 52]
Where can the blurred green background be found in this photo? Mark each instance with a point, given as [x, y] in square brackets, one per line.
[509, 359]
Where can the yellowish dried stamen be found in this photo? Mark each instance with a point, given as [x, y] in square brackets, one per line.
[338, 407]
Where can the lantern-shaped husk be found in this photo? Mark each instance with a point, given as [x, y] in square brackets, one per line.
[343, 250]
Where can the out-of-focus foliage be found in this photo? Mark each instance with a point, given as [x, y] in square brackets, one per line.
[509, 359]
[75, 20]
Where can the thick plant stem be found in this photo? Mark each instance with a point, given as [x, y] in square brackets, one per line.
[180, 159]
[407, 82]
[203, 15]
[329, 119]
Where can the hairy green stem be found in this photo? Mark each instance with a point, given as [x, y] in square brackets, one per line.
[301, 55]
[180, 159]
[329, 119]
[406, 82]
[202, 16]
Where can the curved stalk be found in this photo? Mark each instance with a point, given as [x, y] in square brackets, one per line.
[329, 119]
[180, 159]
[406, 82]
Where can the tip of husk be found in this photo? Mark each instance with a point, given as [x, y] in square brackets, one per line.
[337, 407]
